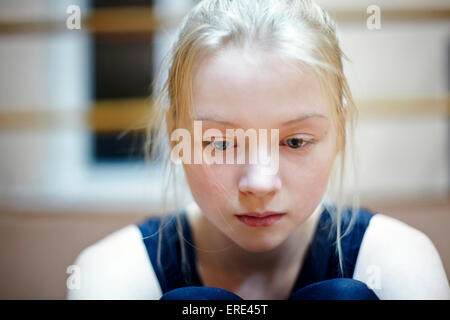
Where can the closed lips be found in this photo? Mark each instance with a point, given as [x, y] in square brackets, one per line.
[260, 215]
[265, 219]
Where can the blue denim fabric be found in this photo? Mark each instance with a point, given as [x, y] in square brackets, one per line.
[333, 289]
[200, 293]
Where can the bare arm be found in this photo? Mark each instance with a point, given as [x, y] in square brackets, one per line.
[400, 262]
[117, 267]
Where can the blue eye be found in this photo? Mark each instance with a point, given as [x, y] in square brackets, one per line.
[293, 143]
[219, 144]
[298, 143]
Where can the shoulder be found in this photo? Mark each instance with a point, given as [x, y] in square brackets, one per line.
[116, 267]
[400, 262]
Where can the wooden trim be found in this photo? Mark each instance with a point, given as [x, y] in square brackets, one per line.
[391, 15]
[103, 116]
[33, 119]
[116, 20]
[127, 114]
[132, 114]
[32, 27]
[404, 107]
[143, 19]
[105, 20]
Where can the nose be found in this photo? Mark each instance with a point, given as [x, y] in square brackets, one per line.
[257, 182]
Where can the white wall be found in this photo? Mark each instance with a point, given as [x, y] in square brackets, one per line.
[401, 155]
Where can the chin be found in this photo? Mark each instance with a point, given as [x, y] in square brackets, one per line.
[258, 244]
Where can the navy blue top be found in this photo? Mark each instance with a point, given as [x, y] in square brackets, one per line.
[320, 263]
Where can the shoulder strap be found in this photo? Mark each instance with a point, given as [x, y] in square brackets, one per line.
[321, 260]
[351, 243]
[168, 263]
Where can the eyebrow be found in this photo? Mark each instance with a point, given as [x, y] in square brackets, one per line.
[297, 119]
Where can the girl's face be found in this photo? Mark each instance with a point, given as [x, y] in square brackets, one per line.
[235, 89]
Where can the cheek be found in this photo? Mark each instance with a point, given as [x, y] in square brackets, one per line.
[306, 176]
[306, 181]
[209, 186]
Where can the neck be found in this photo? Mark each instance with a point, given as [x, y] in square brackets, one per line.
[216, 251]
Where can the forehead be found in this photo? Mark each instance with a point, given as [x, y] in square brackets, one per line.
[252, 87]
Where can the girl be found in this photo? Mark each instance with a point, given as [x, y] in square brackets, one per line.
[250, 233]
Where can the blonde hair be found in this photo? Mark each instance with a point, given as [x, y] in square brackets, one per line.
[299, 31]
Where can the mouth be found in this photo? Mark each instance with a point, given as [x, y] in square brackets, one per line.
[264, 219]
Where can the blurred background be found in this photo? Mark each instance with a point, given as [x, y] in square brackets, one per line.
[73, 103]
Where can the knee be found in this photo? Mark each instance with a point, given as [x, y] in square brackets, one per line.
[199, 293]
[335, 289]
